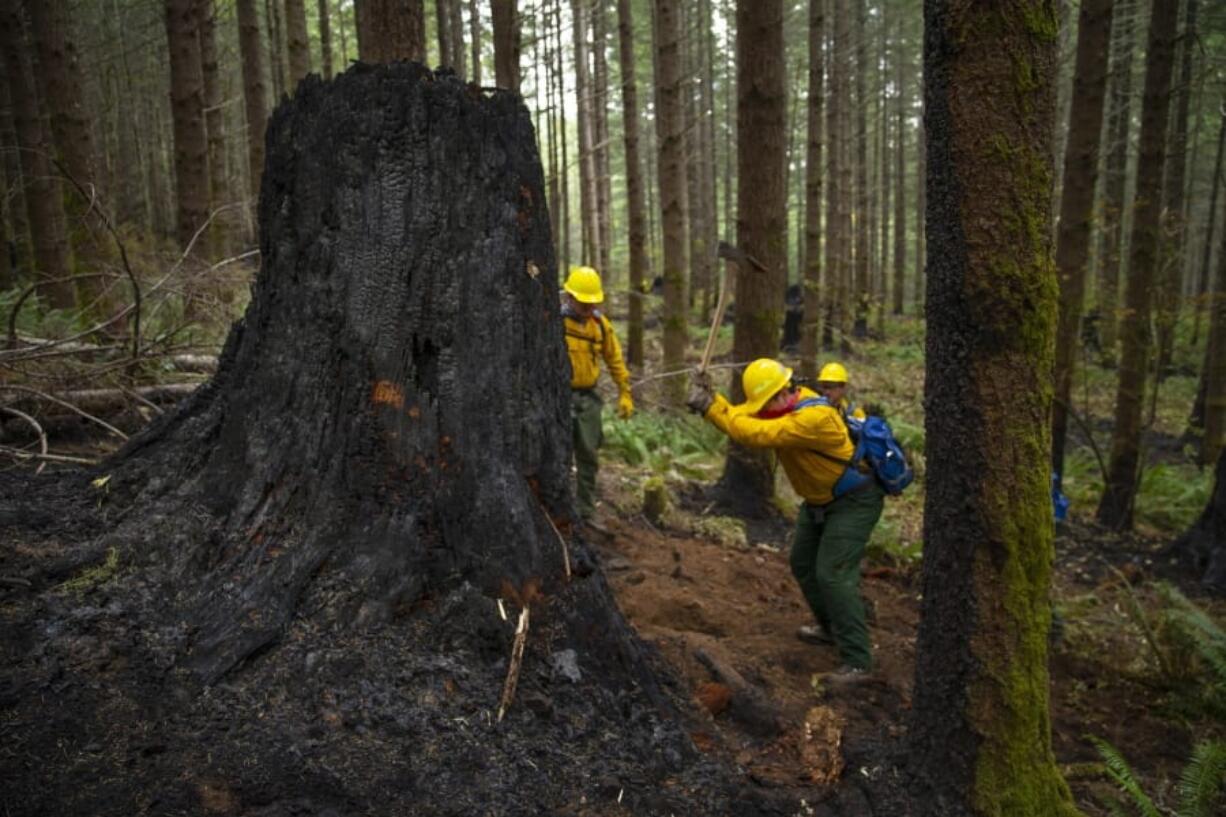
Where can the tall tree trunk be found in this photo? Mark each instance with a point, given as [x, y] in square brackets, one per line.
[600, 149]
[813, 194]
[505, 19]
[670, 126]
[564, 160]
[11, 156]
[1204, 544]
[1119, 128]
[860, 228]
[187, 107]
[255, 103]
[1202, 277]
[884, 186]
[708, 203]
[1172, 247]
[921, 209]
[299, 44]
[442, 28]
[1077, 202]
[219, 193]
[1197, 418]
[44, 199]
[342, 27]
[980, 740]
[390, 30]
[455, 10]
[276, 48]
[1214, 374]
[900, 182]
[634, 181]
[474, 25]
[1115, 508]
[60, 79]
[761, 94]
[325, 40]
[583, 104]
[836, 195]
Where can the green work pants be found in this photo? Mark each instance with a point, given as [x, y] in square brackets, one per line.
[585, 407]
[826, 552]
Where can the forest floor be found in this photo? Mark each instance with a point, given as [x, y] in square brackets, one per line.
[91, 713]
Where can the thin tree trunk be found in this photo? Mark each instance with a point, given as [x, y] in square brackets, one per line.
[583, 102]
[1077, 202]
[600, 148]
[11, 156]
[299, 44]
[900, 182]
[860, 226]
[44, 198]
[219, 193]
[325, 40]
[1214, 441]
[836, 195]
[59, 77]
[564, 162]
[921, 208]
[474, 25]
[254, 102]
[340, 20]
[1197, 417]
[276, 48]
[980, 737]
[1202, 279]
[761, 91]
[813, 194]
[390, 30]
[634, 181]
[1119, 127]
[1116, 507]
[505, 18]
[442, 28]
[187, 107]
[1174, 228]
[709, 203]
[882, 189]
[670, 124]
[455, 10]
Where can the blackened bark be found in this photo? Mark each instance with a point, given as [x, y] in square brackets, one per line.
[348, 441]
[980, 740]
[254, 98]
[187, 109]
[1077, 202]
[505, 21]
[43, 197]
[1204, 544]
[1116, 507]
[636, 214]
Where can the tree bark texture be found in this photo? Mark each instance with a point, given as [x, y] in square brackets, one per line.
[900, 184]
[600, 140]
[504, 16]
[60, 78]
[981, 733]
[297, 41]
[836, 259]
[390, 30]
[11, 159]
[187, 108]
[761, 220]
[1077, 202]
[670, 124]
[1210, 292]
[813, 194]
[276, 47]
[1205, 542]
[1214, 374]
[862, 219]
[1116, 507]
[43, 197]
[474, 25]
[325, 40]
[1119, 127]
[636, 214]
[589, 235]
[255, 102]
[442, 27]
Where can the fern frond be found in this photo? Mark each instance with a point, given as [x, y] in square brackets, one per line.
[1203, 779]
[1119, 771]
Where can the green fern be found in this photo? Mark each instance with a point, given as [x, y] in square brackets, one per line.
[1203, 779]
[1119, 771]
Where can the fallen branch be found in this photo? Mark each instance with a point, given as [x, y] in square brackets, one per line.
[30, 455]
[103, 401]
[42, 395]
[517, 658]
[42, 435]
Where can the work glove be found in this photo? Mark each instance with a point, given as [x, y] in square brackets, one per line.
[625, 406]
[701, 395]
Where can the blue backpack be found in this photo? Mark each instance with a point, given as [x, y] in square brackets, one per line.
[876, 447]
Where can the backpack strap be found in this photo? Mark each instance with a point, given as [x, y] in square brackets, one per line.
[821, 400]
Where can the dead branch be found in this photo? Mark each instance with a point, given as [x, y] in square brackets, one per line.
[30, 455]
[42, 395]
[42, 435]
[517, 658]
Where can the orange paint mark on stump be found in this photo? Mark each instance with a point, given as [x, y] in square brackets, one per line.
[387, 393]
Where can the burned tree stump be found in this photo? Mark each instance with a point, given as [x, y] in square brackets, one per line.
[1203, 546]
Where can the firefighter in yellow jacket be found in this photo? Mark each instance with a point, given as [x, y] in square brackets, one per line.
[841, 503]
[589, 339]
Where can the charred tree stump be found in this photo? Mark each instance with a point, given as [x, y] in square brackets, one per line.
[1203, 545]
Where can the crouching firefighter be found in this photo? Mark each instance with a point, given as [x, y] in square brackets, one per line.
[842, 503]
[590, 339]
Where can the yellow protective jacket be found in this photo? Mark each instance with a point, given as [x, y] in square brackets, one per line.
[795, 437]
[587, 342]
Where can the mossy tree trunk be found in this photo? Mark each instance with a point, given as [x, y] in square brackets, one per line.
[1077, 202]
[761, 222]
[981, 732]
[1116, 507]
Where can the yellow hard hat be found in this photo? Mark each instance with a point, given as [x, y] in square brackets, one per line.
[583, 284]
[762, 380]
[832, 373]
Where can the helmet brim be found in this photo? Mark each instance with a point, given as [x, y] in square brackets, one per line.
[754, 406]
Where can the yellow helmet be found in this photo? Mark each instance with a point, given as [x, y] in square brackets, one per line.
[583, 284]
[832, 373]
[762, 380]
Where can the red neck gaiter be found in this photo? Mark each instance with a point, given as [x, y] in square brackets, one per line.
[786, 408]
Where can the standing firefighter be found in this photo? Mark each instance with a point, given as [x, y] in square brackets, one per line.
[841, 503]
[832, 384]
[590, 337]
